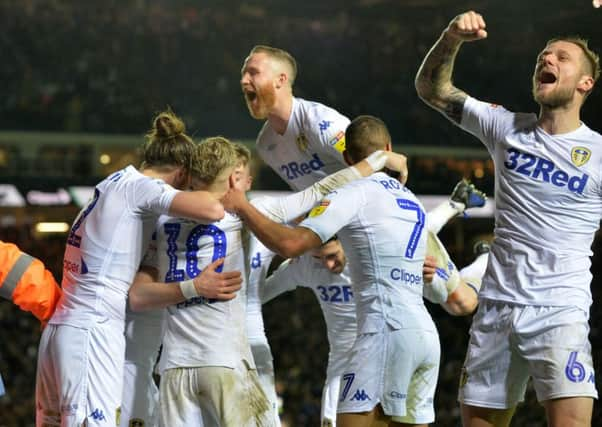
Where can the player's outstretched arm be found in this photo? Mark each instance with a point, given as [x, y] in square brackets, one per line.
[434, 79]
[286, 241]
[198, 205]
[286, 209]
[146, 293]
[280, 281]
[373, 163]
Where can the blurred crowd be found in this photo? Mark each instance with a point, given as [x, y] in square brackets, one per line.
[296, 332]
[108, 66]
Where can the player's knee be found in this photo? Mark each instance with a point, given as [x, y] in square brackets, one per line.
[474, 415]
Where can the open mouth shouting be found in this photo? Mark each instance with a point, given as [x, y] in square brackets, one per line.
[546, 77]
[250, 94]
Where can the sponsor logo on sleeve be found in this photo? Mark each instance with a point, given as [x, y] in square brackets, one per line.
[319, 210]
[338, 141]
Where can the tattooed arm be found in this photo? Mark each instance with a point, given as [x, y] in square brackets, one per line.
[434, 79]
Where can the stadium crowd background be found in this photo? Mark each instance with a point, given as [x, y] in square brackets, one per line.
[107, 67]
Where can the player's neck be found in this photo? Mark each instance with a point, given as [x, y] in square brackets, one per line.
[281, 113]
[559, 120]
[217, 188]
[169, 176]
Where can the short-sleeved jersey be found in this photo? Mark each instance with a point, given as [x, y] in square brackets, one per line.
[105, 245]
[199, 331]
[279, 209]
[335, 295]
[311, 147]
[184, 248]
[381, 226]
[548, 195]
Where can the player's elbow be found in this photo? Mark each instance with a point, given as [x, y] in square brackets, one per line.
[291, 248]
[426, 92]
[460, 306]
[215, 212]
[424, 88]
[434, 95]
[136, 301]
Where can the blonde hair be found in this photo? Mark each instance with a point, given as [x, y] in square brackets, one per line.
[365, 135]
[167, 145]
[592, 60]
[243, 154]
[281, 56]
[213, 156]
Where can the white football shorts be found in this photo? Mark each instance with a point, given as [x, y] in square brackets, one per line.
[80, 375]
[511, 343]
[396, 368]
[213, 396]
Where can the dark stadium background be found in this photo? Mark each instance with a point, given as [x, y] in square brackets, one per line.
[80, 81]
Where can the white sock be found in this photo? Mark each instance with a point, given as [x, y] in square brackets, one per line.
[441, 214]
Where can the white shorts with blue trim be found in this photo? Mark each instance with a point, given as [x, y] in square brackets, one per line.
[396, 368]
[511, 343]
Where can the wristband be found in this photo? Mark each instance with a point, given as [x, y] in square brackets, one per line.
[188, 289]
[377, 160]
[452, 282]
[436, 290]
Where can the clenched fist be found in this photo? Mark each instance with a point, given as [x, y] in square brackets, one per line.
[468, 26]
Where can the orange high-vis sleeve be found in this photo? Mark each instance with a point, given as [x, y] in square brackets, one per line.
[25, 281]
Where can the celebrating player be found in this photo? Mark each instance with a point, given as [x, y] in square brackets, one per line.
[81, 354]
[532, 321]
[383, 222]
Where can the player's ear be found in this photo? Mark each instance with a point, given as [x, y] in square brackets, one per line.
[232, 180]
[347, 158]
[586, 83]
[182, 179]
[281, 80]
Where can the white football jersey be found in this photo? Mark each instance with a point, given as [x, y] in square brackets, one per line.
[184, 248]
[381, 225]
[335, 295]
[259, 259]
[280, 209]
[548, 195]
[311, 147]
[105, 246]
[202, 332]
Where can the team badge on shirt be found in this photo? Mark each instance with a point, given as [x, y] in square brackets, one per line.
[319, 210]
[338, 141]
[302, 142]
[580, 155]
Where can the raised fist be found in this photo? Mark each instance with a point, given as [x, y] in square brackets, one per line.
[468, 26]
